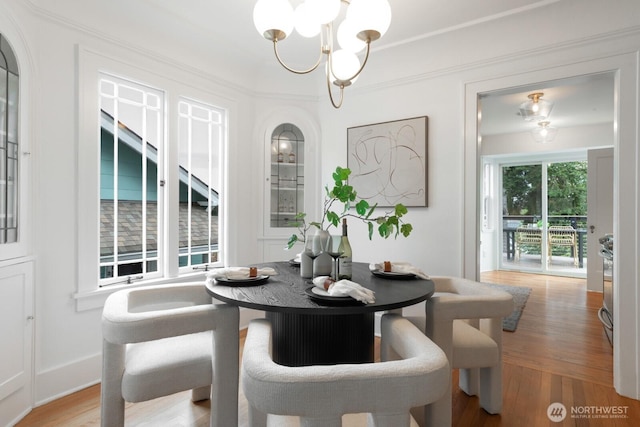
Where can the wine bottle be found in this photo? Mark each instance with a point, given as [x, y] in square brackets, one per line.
[346, 257]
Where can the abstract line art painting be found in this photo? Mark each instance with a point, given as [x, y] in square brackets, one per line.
[388, 162]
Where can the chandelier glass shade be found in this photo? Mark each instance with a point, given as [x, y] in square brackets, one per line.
[536, 109]
[365, 21]
[544, 132]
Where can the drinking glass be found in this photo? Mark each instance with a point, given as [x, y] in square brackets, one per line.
[332, 247]
[312, 249]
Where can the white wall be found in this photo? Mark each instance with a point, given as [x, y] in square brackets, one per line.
[429, 77]
[568, 139]
[437, 78]
[68, 342]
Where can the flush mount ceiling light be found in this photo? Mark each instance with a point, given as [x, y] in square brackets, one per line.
[365, 22]
[536, 108]
[544, 132]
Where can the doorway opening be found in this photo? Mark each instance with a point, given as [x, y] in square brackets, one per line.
[533, 194]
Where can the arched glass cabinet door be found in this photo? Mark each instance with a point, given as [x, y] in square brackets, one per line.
[287, 175]
[9, 84]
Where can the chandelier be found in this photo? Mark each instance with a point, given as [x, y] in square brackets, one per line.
[544, 132]
[365, 21]
[536, 108]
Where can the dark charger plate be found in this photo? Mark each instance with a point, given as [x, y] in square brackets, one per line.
[392, 275]
[328, 299]
[249, 281]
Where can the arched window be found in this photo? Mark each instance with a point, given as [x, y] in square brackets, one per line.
[9, 83]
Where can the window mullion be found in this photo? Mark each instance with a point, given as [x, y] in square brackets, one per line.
[209, 181]
[116, 216]
[143, 159]
[190, 185]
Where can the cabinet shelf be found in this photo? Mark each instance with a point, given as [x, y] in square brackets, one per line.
[285, 179]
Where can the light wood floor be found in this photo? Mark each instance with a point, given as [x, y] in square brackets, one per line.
[558, 353]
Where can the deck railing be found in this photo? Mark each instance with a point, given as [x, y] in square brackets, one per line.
[511, 222]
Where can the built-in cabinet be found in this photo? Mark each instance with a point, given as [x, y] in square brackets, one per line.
[16, 335]
[290, 182]
[16, 264]
[286, 190]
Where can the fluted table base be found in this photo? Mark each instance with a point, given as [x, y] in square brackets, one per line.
[303, 340]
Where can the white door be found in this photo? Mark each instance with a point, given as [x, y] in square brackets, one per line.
[599, 210]
[16, 336]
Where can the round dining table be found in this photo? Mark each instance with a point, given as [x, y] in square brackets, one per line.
[313, 329]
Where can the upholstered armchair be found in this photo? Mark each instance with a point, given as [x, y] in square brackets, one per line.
[165, 339]
[320, 395]
[464, 318]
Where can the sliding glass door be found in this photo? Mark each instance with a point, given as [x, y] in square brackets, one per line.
[544, 217]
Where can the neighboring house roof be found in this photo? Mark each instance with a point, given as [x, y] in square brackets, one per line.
[130, 227]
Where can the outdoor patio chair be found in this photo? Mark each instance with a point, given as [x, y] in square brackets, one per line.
[563, 236]
[528, 236]
[165, 339]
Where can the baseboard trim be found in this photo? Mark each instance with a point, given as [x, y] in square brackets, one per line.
[63, 380]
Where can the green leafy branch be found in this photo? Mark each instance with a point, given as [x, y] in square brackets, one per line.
[389, 224]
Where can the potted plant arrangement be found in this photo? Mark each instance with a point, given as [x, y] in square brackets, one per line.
[338, 203]
[388, 224]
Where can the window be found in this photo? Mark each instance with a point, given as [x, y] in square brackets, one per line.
[201, 130]
[131, 138]
[137, 236]
[9, 84]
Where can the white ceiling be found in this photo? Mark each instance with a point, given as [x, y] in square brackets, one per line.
[226, 27]
[577, 101]
[411, 19]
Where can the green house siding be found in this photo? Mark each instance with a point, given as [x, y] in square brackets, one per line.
[129, 171]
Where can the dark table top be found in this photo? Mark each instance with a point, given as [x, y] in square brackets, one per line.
[285, 292]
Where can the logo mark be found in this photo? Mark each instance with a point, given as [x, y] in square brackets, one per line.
[556, 412]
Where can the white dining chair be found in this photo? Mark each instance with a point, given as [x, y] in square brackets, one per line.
[321, 395]
[165, 339]
[464, 318]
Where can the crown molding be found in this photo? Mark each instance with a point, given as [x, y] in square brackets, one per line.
[63, 21]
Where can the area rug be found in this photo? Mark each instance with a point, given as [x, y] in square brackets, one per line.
[520, 296]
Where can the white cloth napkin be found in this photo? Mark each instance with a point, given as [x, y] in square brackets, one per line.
[400, 267]
[237, 273]
[344, 287]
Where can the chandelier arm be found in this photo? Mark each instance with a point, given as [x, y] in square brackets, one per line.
[333, 102]
[275, 50]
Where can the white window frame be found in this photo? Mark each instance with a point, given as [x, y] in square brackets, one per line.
[216, 130]
[160, 146]
[89, 295]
